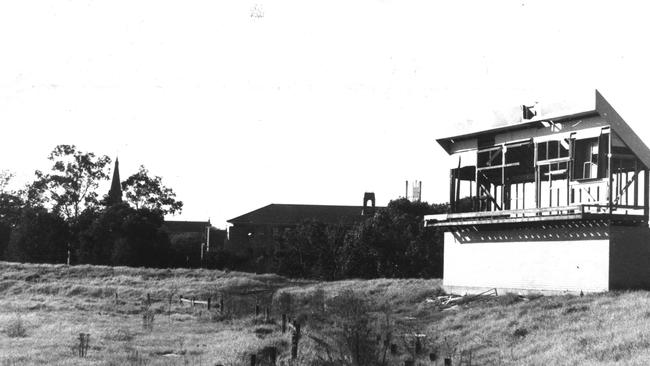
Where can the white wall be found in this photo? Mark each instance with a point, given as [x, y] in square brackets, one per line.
[538, 264]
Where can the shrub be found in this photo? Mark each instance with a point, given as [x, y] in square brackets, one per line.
[15, 328]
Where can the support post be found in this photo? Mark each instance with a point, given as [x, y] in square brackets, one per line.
[646, 190]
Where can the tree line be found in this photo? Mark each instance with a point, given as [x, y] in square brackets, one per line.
[61, 216]
[392, 243]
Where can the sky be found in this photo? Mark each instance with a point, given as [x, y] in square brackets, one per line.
[237, 104]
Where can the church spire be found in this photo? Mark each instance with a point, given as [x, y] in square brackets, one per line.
[115, 194]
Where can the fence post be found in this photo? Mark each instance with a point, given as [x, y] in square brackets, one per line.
[115, 297]
[266, 314]
[148, 298]
[273, 355]
[193, 298]
[221, 304]
[257, 310]
[294, 341]
[253, 359]
[180, 299]
[208, 303]
[284, 323]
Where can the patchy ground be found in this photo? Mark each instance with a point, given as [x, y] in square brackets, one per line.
[44, 308]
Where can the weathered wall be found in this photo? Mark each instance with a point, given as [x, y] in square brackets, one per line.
[552, 258]
[630, 257]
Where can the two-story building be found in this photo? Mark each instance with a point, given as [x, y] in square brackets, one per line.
[550, 203]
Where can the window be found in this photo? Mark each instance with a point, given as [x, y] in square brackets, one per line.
[590, 157]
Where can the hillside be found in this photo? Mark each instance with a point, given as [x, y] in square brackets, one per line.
[44, 308]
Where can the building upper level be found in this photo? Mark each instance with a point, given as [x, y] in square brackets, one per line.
[588, 164]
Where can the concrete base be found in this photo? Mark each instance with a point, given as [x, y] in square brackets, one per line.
[558, 258]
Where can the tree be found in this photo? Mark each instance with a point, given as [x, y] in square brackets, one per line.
[70, 187]
[144, 191]
[39, 237]
[122, 235]
[394, 243]
[11, 205]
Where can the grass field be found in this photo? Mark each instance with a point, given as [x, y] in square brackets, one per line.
[43, 308]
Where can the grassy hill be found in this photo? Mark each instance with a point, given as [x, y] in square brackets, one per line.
[43, 308]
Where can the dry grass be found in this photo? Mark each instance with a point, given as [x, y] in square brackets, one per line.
[43, 308]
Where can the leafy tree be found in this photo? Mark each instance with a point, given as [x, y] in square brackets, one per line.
[144, 191]
[39, 237]
[70, 186]
[122, 235]
[11, 205]
[394, 243]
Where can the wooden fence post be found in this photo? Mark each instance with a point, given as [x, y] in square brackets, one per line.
[257, 310]
[221, 304]
[294, 341]
[193, 299]
[115, 297]
[148, 298]
[284, 323]
[208, 303]
[253, 359]
[273, 355]
[266, 314]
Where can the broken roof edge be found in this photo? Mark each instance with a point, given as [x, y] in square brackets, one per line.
[445, 142]
[602, 108]
[622, 129]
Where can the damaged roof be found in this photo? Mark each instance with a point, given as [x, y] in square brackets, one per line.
[602, 108]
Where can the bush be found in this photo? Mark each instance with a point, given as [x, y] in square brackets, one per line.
[15, 328]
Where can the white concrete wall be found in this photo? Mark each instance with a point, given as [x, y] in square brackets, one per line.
[539, 264]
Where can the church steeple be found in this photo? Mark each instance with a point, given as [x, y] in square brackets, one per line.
[115, 194]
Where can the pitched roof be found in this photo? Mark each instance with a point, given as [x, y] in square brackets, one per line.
[186, 226]
[602, 108]
[288, 214]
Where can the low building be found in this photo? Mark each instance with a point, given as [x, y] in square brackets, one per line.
[260, 226]
[551, 203]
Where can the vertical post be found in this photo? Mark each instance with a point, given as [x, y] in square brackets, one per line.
[503, 176]
[148, 298]
[193, 299]
[253, 359]
[646, 190]
[537, 180]
[266, 314]
[294, 341]
[257, 310]
[609, 174]
[636, 182]
[207, 229]
[284, 323]
[208, 303]
[273, 355]
[452, 193]
[221, 309]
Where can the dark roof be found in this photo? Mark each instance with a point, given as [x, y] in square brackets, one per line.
[284, 214]
[186, 226]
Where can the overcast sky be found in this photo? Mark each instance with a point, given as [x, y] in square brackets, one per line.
[238, 104]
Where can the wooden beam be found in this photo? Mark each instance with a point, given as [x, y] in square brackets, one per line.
[646, 190]
[636, 183]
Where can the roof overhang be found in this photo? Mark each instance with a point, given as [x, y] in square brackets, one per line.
[602, 108]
